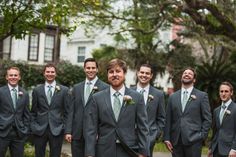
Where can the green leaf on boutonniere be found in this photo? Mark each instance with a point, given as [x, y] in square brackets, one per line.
[128, 100]
[94, 90]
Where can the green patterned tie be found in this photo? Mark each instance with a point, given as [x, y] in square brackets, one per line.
[49, 94]
[116, 105]
[185, 99]
[223, 107]
[14, 97]
[87, 92]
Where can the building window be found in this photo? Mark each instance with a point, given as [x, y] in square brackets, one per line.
[49, 48]
[81, 54]
[33, 47]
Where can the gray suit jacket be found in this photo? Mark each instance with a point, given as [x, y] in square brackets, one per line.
[224, 135]
[53, 115]
[101, 128]
[156, 113]
[193, 124]
[74, 123]
[9, 116]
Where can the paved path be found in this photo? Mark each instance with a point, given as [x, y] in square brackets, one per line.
[66, 149]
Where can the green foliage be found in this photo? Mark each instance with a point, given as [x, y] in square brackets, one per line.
[32, 75]
[179, 58]
[68, 74]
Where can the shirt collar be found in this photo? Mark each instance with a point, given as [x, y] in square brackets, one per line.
[189, 90]
[53, 84]
[121, 91]
[227, 103]
[139, 88]
[10, 87]
[92, 81]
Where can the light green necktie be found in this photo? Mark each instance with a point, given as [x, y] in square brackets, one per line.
[223, 107]
[14, 97]
[87, 92]
[116, 105]
[185, 99]
[49, 94]
[142, 91]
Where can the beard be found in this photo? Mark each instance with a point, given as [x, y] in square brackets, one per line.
[187, 82]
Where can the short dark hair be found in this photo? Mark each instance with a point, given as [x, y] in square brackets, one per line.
[192, 69]
[117, 62]
[146, 65]
[49, 65]
[90, 60]
[13, 67]
[227, 84]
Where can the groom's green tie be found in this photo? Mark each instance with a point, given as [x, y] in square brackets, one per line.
[116, 105]
[14, 97]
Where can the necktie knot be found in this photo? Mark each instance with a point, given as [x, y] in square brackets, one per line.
[223, 106]
[142, 91]
[117, 94]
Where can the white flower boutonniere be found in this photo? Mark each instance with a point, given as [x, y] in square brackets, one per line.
[150, 97]
[192, 97]
[20, 93]
[227, 112]
[128, 100]
[95, 89]
[57, 88]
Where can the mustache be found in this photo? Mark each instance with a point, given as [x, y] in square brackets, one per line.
[115, 78]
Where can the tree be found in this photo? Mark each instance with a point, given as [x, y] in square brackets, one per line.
[215, 17]
[19, 18]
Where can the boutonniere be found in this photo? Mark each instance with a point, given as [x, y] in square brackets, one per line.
[150, 97]
[227, 112]
[192, 97]
[95, 89]
[128, 100]
[57, 88]
[20, 93]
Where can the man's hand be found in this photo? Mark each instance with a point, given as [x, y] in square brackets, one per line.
[68, 137]
[232, 153]
[169, 146]
[209, 153]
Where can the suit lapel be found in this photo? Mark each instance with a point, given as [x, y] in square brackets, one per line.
[151, 92]
[229, 108]
[178, 100]
[190, 99]
[8, 94]
[123, 107]
[217, 117]
[42, 90]
[108, 103]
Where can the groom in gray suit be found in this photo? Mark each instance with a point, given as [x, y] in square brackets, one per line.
[14, 115]
[154, 102]
[224, 129]
[74, 125]
[116, 119]
[188, 118]
[50, 107]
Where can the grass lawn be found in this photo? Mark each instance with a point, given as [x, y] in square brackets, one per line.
[160, 147]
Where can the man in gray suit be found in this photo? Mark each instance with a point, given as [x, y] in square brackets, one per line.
[154, 102]
[224, 129]
[116, 119]
[74, 125]
[188, 118]
[14, 115]
[50, 107]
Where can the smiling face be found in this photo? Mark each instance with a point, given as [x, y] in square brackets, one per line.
[13, 76]
[50, 74]
[188, 77]
[116, 77]
[90, 69]
[225, 93]
[144, 75]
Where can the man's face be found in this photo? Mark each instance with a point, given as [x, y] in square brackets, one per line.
[188, 77]
[90, 70]
[50, 74]
[13, 77]
[116, 77]
[225, 93]
[144, 75]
